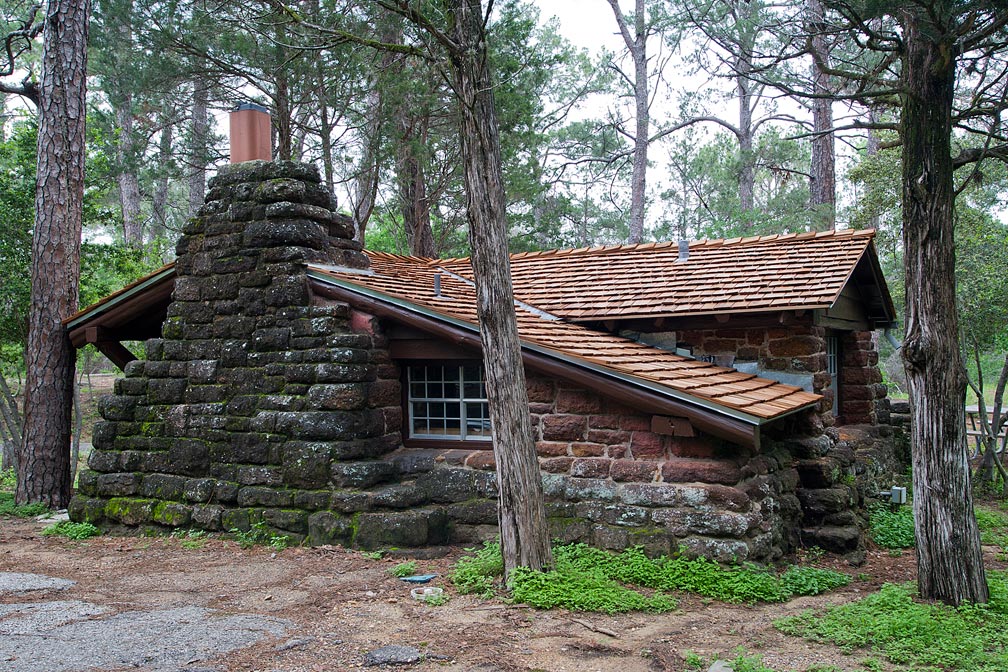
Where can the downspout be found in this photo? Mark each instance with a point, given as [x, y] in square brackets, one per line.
[892, 339]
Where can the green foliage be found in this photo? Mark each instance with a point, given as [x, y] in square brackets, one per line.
[740, 663]
[993, 527]
[571, 588]
[72, 530]
[592, 579]
[191, 539]
[407, 568]
[892, 529]
[812, 580]
[912, 635]
[260, 535]
[8, 480]
[10, 509]
[475, 573]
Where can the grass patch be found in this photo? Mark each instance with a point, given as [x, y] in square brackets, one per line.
[407, 568]
[191, 539]
[71, 530]
[893, 625]
[993, 527]
[591, 579]
[9, 509]
[8, 479]
[260, 535]
[892, 529]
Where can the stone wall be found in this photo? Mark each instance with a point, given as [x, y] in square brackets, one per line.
[255, 404]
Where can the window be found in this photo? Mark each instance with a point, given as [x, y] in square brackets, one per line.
[448, 401]
[833, 368]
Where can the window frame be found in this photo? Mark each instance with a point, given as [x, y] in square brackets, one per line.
[463, 438]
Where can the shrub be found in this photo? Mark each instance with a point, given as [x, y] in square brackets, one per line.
[71, 530]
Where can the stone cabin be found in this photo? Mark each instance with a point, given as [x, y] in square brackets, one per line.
[699, 396]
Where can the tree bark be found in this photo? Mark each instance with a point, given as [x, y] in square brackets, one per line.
[636, 44]
[949, 561]
[521, 511]
[126, 153]
[159, 204]
[199, 141]
[44, 463]
[126, 179]
[822, 183]
[412, 178]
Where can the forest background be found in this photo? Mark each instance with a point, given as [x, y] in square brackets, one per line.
[687, 124]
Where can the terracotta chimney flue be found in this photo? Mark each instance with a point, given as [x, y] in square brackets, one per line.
[250, 133]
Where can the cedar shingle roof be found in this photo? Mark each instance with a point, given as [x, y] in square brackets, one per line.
[411, 280]
[781, 272]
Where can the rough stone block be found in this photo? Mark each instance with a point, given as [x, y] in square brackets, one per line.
[129, 511]
[642, 471]
[117, 485]
[171, 514]
[86, 509]
[587, 449]
[116, 407]
[398, 496]
[252, 496]
[326, 527]
[306, 465]
[645, 444]
[418, 527]
[105, 461]
[339, 396]
[258, 475]
[590, 467]
[361, 474]
[481, 459]
[577, 402]
[163, 486]
[287, 520]
[564, 427]
[447, 485]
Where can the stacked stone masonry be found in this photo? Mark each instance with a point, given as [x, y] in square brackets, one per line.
[262, 403]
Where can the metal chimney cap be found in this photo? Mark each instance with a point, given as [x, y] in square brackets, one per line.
[683, 250]
[251, 106]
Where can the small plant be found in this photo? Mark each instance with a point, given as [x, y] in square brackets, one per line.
[812, 581]
[71, 530]
[407, 568]
[592, 579]
[373, 555]
[476, 573]
[260, 535]
[9, 509]
[8, 479]
[437, 600]
[892, 529]
[891, 624]
[191, 539]
[695, 662]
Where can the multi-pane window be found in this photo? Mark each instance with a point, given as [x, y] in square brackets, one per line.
[448, 401]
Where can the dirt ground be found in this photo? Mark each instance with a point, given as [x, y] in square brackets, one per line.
[343, 604]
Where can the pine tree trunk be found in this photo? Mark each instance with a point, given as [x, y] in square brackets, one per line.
[199, 141]
[949, 561]
[412, 179]
[521, 511]
[126, 179]
[822, 184]
[44, 464]
[159, 204]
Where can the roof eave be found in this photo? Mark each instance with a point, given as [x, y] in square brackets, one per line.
[710, 417]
